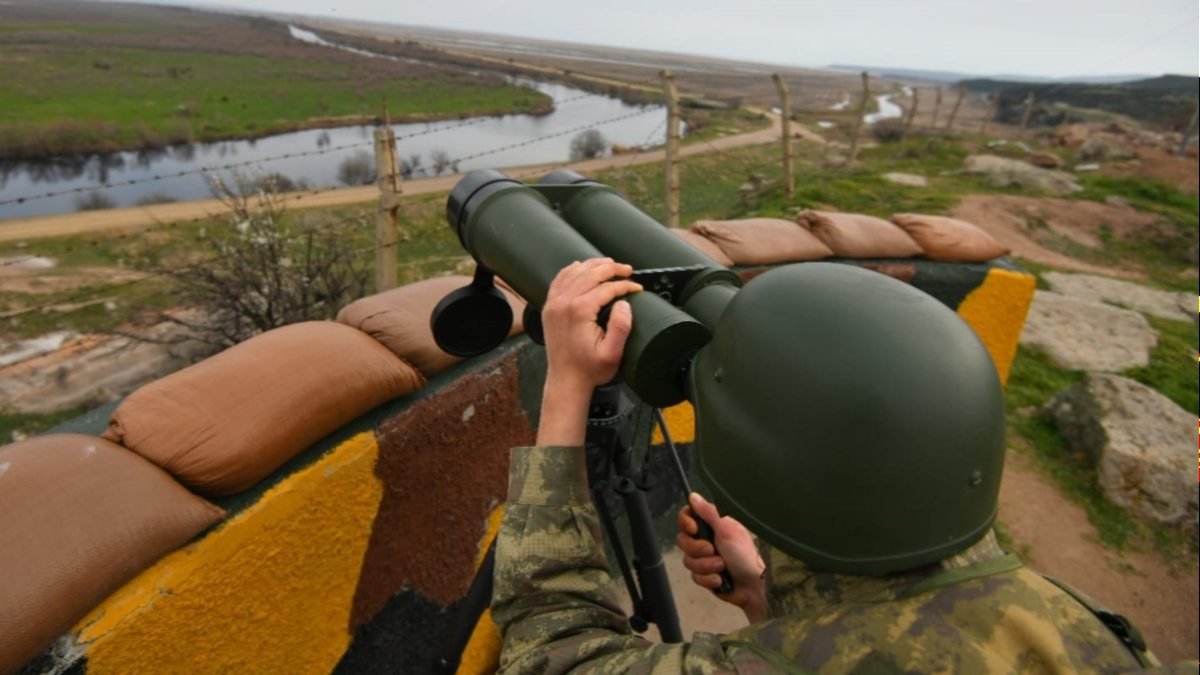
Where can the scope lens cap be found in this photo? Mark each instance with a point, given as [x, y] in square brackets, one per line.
[471, 321]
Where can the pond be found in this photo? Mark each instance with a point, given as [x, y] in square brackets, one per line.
[313, 157]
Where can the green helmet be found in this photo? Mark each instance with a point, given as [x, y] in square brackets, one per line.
[849, 419]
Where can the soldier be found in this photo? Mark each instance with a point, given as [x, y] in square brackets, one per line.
[817, 602]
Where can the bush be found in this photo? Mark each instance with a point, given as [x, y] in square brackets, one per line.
[94, 201]
[357, 169]
[265, 269]
[889, 130]
[156, 198]
[588, 144]
[277, 182]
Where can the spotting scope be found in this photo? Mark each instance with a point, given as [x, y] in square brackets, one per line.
[846, 417]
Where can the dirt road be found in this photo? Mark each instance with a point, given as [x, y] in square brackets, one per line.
[135, 218]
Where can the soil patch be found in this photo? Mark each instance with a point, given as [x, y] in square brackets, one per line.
[1027, 225]
[1182, 173]
[58, 281]
[1162, 601]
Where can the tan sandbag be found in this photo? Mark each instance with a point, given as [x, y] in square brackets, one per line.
[703, 244]
[226, 423]
[949, 239]
[762, 241]
[854, 235]
[79, 517]
[399, 319]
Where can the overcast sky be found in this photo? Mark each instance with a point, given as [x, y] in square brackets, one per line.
[1031, 37]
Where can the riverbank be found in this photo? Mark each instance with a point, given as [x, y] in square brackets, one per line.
[81, 78]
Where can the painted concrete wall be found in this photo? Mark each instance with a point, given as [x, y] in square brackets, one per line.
[353, 556]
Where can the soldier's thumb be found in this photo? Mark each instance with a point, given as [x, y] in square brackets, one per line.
[705, 510]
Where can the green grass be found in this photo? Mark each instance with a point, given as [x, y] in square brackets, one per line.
[1172, 367]
[29, 424]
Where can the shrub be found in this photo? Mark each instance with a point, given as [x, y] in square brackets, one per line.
[889, 130]
[357, 169]
[94, 201]
[588, 144]
[156, 198]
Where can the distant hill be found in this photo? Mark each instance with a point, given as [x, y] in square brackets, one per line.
[951, 76]
[1166, 101]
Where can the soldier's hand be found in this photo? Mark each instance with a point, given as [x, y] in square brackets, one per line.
[738, 555]
[580, 355]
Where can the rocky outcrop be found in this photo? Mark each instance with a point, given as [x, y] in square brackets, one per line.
[1164, 304]
[1084, 335]
[94, 369]
[1003, 172]
[1141, 442]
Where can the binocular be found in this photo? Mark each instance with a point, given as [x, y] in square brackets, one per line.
[526, 234]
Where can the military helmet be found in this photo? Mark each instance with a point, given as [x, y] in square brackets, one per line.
[849, 419]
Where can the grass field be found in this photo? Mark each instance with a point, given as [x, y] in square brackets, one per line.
[92, 77]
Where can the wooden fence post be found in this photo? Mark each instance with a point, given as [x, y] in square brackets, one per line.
[962, 91]
[858, 123]
[1187, 135]
[785, 104]
[908, 120]
[1028, 110]
[672, 167]
[937, 105]
[387, 225]
[991, 113]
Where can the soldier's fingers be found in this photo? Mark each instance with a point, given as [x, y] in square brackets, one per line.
[709, 581]
[591, 273]
[709, 565]
[692, 547]
[589, 302]
[685, 522]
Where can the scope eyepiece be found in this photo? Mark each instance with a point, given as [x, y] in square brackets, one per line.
[469, 190]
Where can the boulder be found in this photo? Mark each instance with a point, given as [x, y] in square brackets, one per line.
[1140, 441]
[909, 179]
[1105, 147]
[1004, 172]
[1165, 304]
[1085, 335]
[1045, 160]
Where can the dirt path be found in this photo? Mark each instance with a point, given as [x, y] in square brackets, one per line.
[135, 218]
[1062, 542]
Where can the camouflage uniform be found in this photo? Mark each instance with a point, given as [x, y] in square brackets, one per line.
[976, 612]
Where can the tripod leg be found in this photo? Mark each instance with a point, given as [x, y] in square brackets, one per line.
[657, 600]
[478, 598]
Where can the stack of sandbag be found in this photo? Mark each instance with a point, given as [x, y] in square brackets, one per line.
[821, 234]
[761, 241]
[224, 424]
[79, 516]
[399, 320]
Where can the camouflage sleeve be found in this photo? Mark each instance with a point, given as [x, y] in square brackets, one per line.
[554, 600]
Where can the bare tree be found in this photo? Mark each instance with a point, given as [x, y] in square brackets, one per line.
[441, 161]
[588, 144]
[357, 169]
[264, 269]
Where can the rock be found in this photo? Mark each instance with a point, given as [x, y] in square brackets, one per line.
[909, 179]
[1119, 201]
[1140, 441]
[1164, 304]
[1105, 147]
[1004, 172]
[1071, 135]
[1084, 335]
[1045, 160]
[92, 370]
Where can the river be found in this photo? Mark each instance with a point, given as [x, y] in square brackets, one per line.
[135, 177]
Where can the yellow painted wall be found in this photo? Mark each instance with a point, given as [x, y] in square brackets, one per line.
[261, 594]
[996, 310]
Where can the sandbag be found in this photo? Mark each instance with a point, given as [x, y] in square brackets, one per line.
[399, 319]
[762, 241]
[79, 516]
[224, 424]
[703, 244]
[854, 235]
[949, 239]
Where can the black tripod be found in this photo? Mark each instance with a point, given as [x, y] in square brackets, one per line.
[616, 426]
